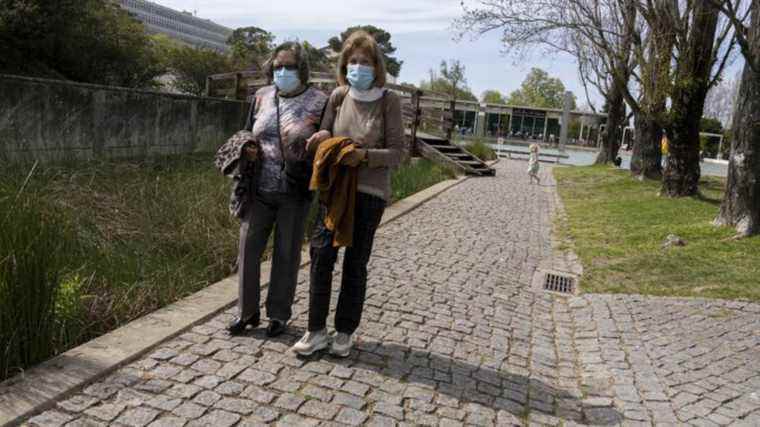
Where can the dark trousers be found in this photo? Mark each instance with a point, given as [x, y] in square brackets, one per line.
[367, 214]
[286, 213]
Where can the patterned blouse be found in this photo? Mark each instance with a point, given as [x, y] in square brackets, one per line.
[299, 119]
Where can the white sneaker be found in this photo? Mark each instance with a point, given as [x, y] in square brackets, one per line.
[311, 342]
[342, 344]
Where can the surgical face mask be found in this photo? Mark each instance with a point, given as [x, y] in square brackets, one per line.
[286, 80]
[360, 76]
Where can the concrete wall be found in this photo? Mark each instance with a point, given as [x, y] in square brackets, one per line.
[52, 120]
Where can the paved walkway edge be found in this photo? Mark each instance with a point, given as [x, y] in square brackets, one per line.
[40, 387]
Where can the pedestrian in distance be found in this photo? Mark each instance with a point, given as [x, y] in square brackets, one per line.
[533, 165]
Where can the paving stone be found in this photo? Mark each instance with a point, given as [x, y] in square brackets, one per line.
[317, 409]
[85, 422]
[240, 406]
[351, 416]
[289, 401]
[230, 388]
[102, 390]
[265, 414]
[168, 421]
[389, 410]
[207, 398]
[216, 419]
[51, 419]
[137, 417]
[258, 394]
[105, 412]
[208, 381]
[296, 421]
[184, 391]
[78, 403]
[189, 410]
[256, 377]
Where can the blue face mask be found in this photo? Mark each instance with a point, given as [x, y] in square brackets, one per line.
[286, 80]
[360, 76]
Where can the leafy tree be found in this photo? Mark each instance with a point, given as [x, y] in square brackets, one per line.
[251, 46]
[441, 85]
[453, 74]
[318, 60]
[493, 97]
[92, 41]
[710, 125]
[191, 66]
[383, 39]
[541, 91]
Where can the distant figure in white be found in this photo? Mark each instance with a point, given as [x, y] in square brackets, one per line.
[533, 164]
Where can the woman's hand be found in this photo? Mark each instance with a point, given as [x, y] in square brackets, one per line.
[354, 158]
[313, 142]
[251, 151]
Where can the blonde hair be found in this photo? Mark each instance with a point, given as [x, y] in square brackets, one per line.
[534, 147]
[363, 41]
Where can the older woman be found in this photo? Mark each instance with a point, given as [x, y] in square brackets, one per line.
[281, 118]
[363, 110]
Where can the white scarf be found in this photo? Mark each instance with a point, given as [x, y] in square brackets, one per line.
[368, 95]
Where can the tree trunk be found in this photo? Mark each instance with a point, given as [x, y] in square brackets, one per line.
[613, 130]
[741, 203]
[646, 160]
[682, 171]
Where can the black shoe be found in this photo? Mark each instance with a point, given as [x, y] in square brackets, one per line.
[238, 325]
[275, 328]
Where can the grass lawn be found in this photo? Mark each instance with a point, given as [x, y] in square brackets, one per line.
[87, 248]
[618, 225]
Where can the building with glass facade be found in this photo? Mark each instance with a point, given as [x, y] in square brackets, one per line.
[182, 26]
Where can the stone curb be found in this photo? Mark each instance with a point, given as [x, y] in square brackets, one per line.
[40, 387]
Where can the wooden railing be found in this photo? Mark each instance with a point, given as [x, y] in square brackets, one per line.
[422, 111]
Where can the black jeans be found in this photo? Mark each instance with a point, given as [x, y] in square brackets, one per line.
[286, 213]
[353, 287]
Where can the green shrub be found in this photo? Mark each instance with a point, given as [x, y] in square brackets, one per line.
[417, 175]
[480, 150]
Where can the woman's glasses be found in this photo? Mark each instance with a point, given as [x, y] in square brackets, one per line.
[289, 67]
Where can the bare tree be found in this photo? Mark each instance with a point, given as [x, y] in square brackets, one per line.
[701, 48]
[741, 204]
[599, 34]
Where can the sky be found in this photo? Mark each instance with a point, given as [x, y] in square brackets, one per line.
[420, 30]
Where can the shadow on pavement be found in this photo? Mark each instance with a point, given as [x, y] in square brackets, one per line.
[457, 379]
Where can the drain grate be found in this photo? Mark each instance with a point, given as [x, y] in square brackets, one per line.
[559, 283]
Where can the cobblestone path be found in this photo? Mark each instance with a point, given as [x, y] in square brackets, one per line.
[454, 335]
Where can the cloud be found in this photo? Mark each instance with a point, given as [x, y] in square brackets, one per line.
[397, 17]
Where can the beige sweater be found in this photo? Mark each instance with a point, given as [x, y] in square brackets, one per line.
[376, 126]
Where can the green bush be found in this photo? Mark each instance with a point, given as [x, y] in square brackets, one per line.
[480, 150]
[417, 175]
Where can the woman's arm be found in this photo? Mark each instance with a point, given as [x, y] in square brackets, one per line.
[391, 155]
[326, 122]
[251, 116]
